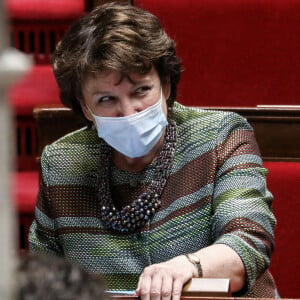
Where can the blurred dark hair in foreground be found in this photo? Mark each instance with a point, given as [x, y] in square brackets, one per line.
[42, 277]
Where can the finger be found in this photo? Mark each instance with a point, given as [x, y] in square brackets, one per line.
[144, 285]
[139, 285]
[156, 286]
[177, 288]
[167, 287]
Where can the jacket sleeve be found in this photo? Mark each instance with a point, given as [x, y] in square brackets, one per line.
[243, 218]
[43, 235]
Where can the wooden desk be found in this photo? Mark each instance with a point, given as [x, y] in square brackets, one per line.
[194, 288]
[201, 298]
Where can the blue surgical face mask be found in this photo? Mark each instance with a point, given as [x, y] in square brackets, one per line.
[134, 135]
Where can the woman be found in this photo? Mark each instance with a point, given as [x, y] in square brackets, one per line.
[152, 193]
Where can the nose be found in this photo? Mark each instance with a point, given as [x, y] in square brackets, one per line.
[127, 107]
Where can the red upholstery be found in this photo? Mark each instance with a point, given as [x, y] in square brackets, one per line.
[25, 188]
[283, 181]
[38, 86]
[36, 26]
[50, 9]
[38, 40]
[234, 52]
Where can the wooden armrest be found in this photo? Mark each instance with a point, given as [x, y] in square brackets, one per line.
[54, 121]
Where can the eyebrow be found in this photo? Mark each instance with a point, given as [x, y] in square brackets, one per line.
[105, 92]
[127, 76]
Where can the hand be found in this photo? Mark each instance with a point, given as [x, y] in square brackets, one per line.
[164, 281]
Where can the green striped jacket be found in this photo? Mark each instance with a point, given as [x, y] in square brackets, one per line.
[216, 194]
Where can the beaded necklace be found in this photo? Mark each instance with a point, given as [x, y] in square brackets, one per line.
[134, 216]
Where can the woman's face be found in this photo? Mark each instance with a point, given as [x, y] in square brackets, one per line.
[111, 94]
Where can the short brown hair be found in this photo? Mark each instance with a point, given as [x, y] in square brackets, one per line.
[114, 36]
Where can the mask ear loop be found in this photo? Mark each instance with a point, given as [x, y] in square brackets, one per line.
[170, 111]
[89, 111]
[169, 108]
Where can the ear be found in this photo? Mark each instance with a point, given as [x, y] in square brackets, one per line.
[86, 111]
[166, 88]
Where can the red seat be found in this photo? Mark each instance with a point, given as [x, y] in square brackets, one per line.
[38, 86]
[36, 26]
[25, 184]
[283, 181]
[44, 10]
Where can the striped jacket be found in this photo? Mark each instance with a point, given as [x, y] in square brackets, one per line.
[216, 194]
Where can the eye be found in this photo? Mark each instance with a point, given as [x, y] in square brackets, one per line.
[143, 90]
[105, 99]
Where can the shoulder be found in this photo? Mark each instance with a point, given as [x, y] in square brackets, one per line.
[193, 114]
[74, 142]
[73, 154]
[208, 122]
